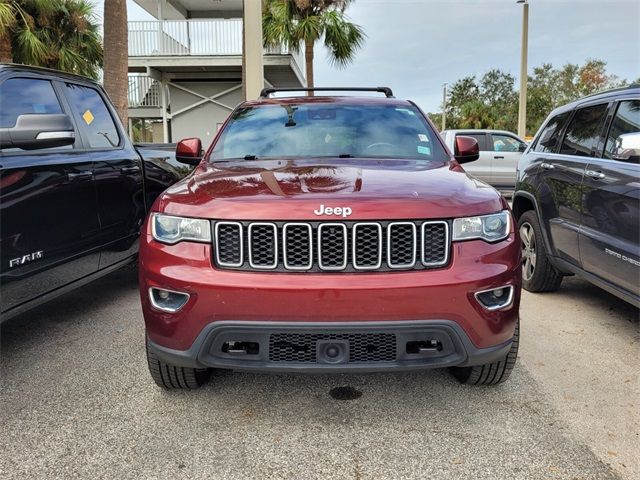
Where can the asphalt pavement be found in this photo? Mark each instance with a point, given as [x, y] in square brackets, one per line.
[76, 401]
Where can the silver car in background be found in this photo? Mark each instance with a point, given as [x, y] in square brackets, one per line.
[499, 154]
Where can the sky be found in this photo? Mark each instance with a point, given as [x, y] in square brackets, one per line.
[414, 46]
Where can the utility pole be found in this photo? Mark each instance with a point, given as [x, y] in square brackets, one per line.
[444, 106]
[522, 109]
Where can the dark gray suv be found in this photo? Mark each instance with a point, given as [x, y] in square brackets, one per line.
[577, 198]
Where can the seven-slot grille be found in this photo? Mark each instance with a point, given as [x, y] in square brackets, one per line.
[331, 246]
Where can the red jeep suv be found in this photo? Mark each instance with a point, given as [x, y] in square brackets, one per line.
[329, 234]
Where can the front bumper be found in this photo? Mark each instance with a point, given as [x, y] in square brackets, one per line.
[440, 295]
[362, 347]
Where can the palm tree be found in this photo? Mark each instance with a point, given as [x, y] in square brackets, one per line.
[116, 56]
[303, 22]
[60, 34]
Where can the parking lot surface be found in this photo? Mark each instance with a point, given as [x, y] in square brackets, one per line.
[76, 401]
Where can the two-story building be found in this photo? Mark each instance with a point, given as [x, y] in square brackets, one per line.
[185, 68]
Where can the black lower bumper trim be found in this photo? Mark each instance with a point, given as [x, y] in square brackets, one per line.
[418, 345]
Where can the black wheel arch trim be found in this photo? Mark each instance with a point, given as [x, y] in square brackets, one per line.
[545, 234]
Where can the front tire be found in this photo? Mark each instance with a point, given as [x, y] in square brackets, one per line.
[172, 377]
[538, 274]
[491, 373]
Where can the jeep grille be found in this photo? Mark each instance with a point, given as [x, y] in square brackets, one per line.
[331, 246]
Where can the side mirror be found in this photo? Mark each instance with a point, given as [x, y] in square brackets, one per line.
[466, 149]
[522, 147]
[627, 147]
[189, 151]
[39, 130]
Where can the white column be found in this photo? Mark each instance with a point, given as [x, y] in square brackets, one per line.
[165, 106]
[254, 70]
[160, 31]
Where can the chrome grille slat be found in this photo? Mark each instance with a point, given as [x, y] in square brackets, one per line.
[263, 245]
[367, 234]
[229, 244]
[332, 250]
[297, 245]
[331, 247]
[434, 251]
[401, 244]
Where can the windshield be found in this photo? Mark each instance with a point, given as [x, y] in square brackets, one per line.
[335, 130]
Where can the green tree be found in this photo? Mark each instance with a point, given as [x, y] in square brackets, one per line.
[60, 34]
[492, 101]
[302, 23]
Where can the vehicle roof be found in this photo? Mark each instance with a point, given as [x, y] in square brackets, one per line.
[607, 94]
[15, 67]
[328, 99]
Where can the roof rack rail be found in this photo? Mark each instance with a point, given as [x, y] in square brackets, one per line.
[269, 90]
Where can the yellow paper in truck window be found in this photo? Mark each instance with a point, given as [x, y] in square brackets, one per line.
[88, 117]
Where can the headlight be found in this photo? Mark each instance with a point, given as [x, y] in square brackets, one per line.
[169, 229]
[491, 228]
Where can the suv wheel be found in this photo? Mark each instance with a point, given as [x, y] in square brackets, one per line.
[538, 275]
[490, 373]
[172, 377]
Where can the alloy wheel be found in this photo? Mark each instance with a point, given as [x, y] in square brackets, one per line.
[528, 239]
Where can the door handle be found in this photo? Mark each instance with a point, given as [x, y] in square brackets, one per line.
[129, 170]
[595, 175]
[86, 175]
[547, 166]
[498, 157]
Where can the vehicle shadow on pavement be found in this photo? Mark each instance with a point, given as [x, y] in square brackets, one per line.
[586, 295]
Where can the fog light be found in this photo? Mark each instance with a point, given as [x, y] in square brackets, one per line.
[496, 298]
[167, 300]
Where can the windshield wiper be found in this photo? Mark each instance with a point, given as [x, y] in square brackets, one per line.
[345, 155]
[250, 157]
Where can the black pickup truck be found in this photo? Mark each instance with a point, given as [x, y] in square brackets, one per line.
[74, 190]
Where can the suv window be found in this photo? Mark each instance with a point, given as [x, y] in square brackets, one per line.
[627, 120]
[328, 130]
[93, 117]
[584, 130]
[19, 96]
[505, 143]
[550, 136]
[480, 137]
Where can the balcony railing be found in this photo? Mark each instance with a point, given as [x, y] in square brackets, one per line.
[192, 37]
[144, 92]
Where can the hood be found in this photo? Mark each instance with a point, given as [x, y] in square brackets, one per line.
[294, 189]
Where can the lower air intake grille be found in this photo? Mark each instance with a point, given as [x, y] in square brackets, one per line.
[301, 347]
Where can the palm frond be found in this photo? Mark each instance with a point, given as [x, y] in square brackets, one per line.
[277, 25]
[7, 17]
[31, 50]
[309, 29]
[341, 37]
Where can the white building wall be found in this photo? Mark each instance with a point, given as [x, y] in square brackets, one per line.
[201, 121]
